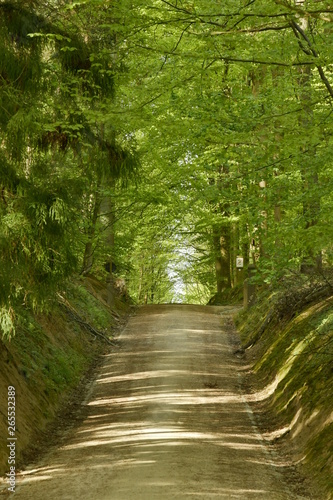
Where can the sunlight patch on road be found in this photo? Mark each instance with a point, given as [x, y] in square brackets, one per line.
[173, 398]
[110, 378]
[231, 493]
[141, 375]
[174, 435]
[40, 469]
[39, 474]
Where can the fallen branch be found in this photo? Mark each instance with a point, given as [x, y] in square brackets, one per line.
[261, 330]
[77, 318]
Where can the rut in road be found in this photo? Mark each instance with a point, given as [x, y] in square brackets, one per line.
[166, 420]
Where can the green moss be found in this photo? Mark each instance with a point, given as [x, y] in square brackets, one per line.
[298, 354]
[90, 307]
[320, 456]
[47, 358]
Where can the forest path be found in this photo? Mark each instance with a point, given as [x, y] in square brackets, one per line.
[165, 419]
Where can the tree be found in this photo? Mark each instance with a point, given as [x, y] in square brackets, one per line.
[211, 95]
[56, 76]
[163, 118]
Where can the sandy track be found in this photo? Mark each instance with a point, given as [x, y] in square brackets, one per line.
[165, 420]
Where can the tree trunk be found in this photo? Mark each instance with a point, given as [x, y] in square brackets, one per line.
[311, 204]
[108, 213]
[88, 252]
[218, 264]
[140, 283]
[222, 241]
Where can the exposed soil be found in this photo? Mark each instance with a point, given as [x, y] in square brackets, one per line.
[165, 418]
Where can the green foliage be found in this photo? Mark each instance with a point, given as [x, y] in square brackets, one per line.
[56, 75]
[89, 307]
[7, 322]
[137, 135]
[228, 97]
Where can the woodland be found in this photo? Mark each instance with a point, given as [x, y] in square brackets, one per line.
[150, 143]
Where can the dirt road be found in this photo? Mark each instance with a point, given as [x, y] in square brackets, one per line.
[165, 420]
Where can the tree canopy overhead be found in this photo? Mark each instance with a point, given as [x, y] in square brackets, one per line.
[157, 141]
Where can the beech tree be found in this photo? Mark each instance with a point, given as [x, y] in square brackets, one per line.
[159, 140]
[242, 92]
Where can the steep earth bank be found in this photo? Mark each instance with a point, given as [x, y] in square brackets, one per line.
[48, 357]
[289, 348]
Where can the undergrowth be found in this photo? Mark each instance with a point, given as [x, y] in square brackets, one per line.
[88, 306]
[292, 345]
[47, 358]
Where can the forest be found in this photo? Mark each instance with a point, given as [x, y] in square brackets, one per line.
[152, 143]
[165, 152]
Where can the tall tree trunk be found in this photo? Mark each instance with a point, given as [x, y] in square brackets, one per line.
[246, 250]
[311, 203]
[108, 213]
[222, 242]
[222, 238]
[140, 283]
[88, 251]
[218, 264]
[264, 225]
[226, 253]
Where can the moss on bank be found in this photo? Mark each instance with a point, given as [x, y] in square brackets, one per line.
[48, 357]
[292, 359]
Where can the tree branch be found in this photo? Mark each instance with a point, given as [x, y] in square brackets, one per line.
[250, 30]
[309, 51]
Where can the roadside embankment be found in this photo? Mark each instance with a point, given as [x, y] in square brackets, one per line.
[46, 361]
[289, 346]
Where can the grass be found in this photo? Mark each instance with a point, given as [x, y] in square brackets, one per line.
[297, 350]
[45, 361]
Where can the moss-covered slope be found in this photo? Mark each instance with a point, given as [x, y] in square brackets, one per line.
[48, 357]
[292, 358]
